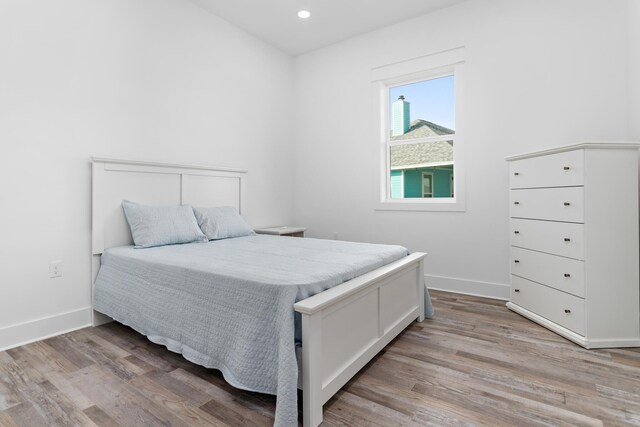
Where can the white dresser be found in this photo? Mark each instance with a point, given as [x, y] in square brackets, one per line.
[574, 242]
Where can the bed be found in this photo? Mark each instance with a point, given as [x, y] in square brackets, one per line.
[240, 305]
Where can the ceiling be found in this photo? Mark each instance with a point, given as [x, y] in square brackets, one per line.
[276, 21]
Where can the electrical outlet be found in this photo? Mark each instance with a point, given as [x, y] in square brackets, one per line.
[55, 269]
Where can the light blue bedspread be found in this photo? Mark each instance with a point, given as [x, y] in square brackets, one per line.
[228, 304]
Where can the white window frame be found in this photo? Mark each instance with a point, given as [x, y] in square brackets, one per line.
[451, 187]
[449, 62]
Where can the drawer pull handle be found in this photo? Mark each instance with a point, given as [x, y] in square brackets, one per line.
[516, 173]
[567, 203]
[516, 203]
[566, 239]
[516, 290]
[566, 168]
[567, 275]
[566, 310]
[516, 232]
[517, 261]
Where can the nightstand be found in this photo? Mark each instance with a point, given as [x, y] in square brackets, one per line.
[282, 231]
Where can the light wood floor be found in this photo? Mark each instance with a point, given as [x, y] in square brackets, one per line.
[476, 363]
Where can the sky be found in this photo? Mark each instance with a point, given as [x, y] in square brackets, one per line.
[431, 100]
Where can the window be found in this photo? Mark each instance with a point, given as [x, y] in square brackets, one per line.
[421, 138]
[427, 184]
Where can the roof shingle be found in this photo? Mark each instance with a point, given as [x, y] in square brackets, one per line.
[424, 153]
[423, 129]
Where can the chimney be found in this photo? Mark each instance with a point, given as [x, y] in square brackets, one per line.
[401, 117]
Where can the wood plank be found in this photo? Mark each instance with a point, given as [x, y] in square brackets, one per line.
[119, 400]
[25, 415]
[178, 405]
[118, 366]
[109, 348]
[182, 389]
[74, 413]
[38, 395]
[475, 363]
[30, 365]
[6, 420]
[99, 417]
[143, 366]
[62, 346]
[230, 405]
[9, 395]
[351, 410]
[141, 348]
[60, 381]
[227, 414]
[56, 361]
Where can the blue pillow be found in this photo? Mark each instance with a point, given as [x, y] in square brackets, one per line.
[222, 223]
[161, 225]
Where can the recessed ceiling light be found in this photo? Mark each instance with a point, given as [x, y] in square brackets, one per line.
[304, 14]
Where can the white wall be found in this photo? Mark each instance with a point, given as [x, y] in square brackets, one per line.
[539, 74]
[633, 25]
[165, 80]
[148, 79]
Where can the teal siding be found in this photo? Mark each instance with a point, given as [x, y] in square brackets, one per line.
[396, 184]
[401, 119]
[406, 118]
[442, 182]
[413, 181]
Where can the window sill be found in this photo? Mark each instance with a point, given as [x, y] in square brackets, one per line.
[420, 205]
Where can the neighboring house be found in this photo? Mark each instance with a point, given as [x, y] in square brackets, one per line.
[423, 169]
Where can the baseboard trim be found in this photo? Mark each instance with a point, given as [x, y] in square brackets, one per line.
[468, 287]
[46, 327]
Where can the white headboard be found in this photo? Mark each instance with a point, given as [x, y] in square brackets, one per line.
[151, 183]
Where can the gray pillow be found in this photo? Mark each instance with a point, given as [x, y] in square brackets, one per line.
[222, 222]
[161, 225]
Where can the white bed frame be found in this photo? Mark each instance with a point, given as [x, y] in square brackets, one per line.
[376, 306]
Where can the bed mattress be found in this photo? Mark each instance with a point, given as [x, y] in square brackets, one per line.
[228, 304]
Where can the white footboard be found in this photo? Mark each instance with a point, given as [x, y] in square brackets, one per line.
[343, 328]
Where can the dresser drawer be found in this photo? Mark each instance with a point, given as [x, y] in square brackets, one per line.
[558, 238]
[556, 170]
[554, 204]
[557, 272]
[561, 308]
